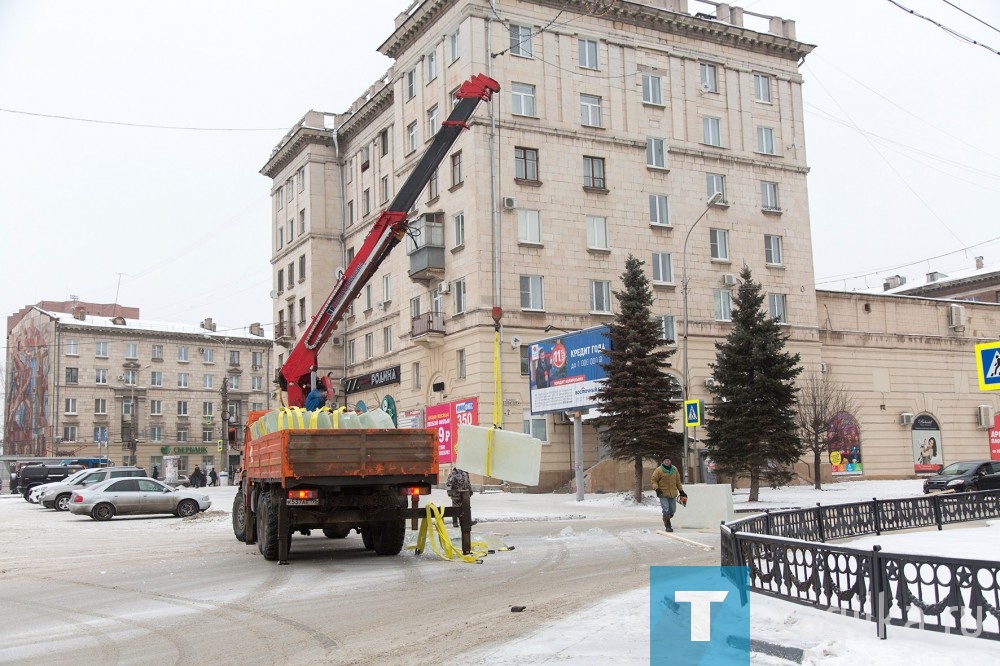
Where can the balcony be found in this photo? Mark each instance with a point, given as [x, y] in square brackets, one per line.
[425, 247]
[284, 334]
[427, 330]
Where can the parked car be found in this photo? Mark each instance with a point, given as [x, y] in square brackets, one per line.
[182, 481]
[966, 476]
[57, 495]
[105, 500]
[35, 493]
[30, 476]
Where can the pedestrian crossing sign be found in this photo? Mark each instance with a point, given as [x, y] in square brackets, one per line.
[988, 365]
[692, 413]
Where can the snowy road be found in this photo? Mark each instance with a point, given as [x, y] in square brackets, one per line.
[169, 591]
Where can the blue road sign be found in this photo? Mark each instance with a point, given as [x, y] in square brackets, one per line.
[692, 413]
[988, 365]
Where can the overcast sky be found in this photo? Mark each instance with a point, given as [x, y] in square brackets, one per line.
[900, 127]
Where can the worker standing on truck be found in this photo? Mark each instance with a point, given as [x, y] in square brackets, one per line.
[316, 398]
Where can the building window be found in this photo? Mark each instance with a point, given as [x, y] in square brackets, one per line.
[279, 196]
[101, 350]
[234, 357]
[127, 407]
[281, 280]
[668, 328]
[535, 426]
[600, 296]
[387, 287]
[709, 78]
[411, 137]
[716, 183]
[182, 354]
[182, 408]
[206, 408]
[532, 296]
[456, 169]
[156, 407]
[69, 433]
[711, 131]
[719, 244]
[101, 376]
[411, 83]
[433, 187]
[369, 345]
[588, 53]
[529, 226]
[256, 383]
[207, 382]
[234, 384]
[416, 374]
[157, 352]
[207, 434]
[525, 353]
[130, 377]
[291, 231]
[769, 196]
[366, 202]
[302, 267]
[350, 213]
[351, 351]
[772, 250]
[257, 359]
[433, 123]
[100, 406]
[387, 339]
[182, 436]
[597, 233]
[208, 354]
[369, 298]
[522, 99]
[460, 362]
[156, 378]
[432, 66]
[723, 304]
[762, 88]
[460, 296]
[651, 90]
[656, 153]
[454, 47]
[663, 270]
[765, 140]
[459, 226]
[383, 143]
[526, 163]
[659, 210]
[776, 307]
[72, 347]
[520, 40]
[291, 275]
[182, 380]
[72, 375]
[281, 237]
[156, 433]
[384, 189]
[590, 110]
[593, 172]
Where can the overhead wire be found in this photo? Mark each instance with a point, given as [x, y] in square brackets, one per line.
[145, 125]
[950, 31]
[951, 4]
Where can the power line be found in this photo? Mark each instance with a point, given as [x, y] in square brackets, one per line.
[953, 33]
[146, 126]
[970, 15]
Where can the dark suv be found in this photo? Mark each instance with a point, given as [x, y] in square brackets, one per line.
[30, 476]
[967, 476]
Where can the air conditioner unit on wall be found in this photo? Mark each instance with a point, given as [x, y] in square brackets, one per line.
[336, 341]
[444, 287]
[728, 279]
[509, 203]
[906, 418]
[985, 414]
[710, 382]
[956, 316]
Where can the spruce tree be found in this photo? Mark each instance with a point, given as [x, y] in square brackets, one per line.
[751, 429]
[635, 399]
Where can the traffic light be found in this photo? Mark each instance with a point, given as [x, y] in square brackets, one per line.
[219, 445]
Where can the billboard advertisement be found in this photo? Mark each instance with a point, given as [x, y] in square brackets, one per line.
[565, 370]
[444, 420]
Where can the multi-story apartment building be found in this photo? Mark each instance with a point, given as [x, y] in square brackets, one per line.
[612, 130]
[89, 380]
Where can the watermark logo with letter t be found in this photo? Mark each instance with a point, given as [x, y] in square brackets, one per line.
[699, 615]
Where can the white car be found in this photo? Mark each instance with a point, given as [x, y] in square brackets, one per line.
[104, 501]
[35, 494]
[56, 495]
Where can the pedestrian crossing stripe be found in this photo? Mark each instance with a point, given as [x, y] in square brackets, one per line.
[988, 365]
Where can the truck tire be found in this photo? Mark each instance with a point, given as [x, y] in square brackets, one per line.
[239, 517]
[388, 536]
[338, 532]
[267, 528]
[366, 538]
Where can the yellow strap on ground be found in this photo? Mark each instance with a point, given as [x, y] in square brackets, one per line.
[432, 526]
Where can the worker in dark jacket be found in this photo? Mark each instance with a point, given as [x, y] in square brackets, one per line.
[316, 398]
[667, 484]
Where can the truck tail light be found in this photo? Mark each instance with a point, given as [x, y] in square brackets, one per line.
[420, 489]
[303, 494]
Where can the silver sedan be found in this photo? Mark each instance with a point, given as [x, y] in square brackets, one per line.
[103, 501]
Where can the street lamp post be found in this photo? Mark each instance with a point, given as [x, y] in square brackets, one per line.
[714, 199]
[133, 434]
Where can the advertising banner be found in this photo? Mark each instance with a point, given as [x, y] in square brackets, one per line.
[843, 439]
[995, 438]
[927, 455]
[565, 371]
[445, 418]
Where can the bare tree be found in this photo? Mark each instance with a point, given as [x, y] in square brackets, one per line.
[820, 400]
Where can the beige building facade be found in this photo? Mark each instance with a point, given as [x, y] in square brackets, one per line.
[95, 380]
[615, 125]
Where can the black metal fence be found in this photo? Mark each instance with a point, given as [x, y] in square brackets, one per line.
[788, 558]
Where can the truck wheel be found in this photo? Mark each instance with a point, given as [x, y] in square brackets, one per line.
[388, 536]
[239, 517]
[62, 502]
[338, 532]
[366, 537]
[267, 528]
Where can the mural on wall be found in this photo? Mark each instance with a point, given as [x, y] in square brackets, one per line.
[927, 454]
[25, 419]
[843, 437]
